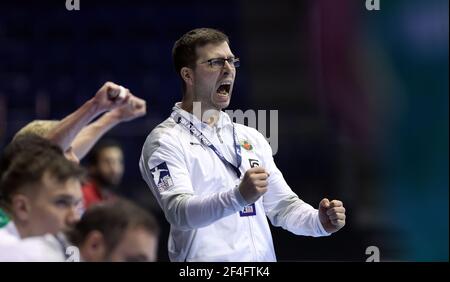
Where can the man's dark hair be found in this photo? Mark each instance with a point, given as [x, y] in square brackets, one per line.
[26, 160]
[94, 155]
[112, 219]
[184, 52]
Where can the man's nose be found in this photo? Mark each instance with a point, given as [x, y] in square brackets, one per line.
[73, 216]
[227, 68]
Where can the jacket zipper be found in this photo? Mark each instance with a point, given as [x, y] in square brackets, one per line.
[253, 239]
[220, 137]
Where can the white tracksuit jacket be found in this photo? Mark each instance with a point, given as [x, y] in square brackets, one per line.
[200, 197]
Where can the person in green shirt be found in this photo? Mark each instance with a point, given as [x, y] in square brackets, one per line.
[4, 219]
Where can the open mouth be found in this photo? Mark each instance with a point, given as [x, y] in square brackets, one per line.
[224, 89]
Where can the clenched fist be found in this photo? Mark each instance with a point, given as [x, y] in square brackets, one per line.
[134, 108]
[103, 100]
[253, 184]
[331, 215]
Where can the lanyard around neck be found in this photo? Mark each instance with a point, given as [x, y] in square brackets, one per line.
[203, 140]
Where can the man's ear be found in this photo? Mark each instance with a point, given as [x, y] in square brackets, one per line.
[21, 207]
[188, 75]
[93, 248]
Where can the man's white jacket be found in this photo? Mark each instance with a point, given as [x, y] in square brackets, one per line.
[210, 220]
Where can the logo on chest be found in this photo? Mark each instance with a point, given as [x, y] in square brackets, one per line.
[246, 145]
[253, 162]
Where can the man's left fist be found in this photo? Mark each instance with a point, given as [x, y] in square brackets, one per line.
[331, 215]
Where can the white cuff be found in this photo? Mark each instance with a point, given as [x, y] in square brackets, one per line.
[238, 199]
[321, 230]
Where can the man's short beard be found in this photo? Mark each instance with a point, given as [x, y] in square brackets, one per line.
[105, 183]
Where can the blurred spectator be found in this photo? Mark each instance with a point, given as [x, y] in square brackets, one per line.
[40, 189]
[116, 232]
[42, 128]
[105, 166]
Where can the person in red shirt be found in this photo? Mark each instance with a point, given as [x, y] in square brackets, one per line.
[105, 166]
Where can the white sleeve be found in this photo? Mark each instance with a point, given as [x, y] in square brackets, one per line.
[166, 173]
[283, 207]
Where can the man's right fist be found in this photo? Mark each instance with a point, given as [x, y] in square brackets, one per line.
[254, 184]
[103, 100]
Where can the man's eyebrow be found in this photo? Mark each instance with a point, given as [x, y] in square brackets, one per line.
[67, 197]
[223, 57]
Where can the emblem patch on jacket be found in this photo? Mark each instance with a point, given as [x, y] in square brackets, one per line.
[249, 210]
[161, 177]
[246, 145]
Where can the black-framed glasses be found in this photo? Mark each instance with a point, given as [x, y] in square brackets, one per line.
[220, 62]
